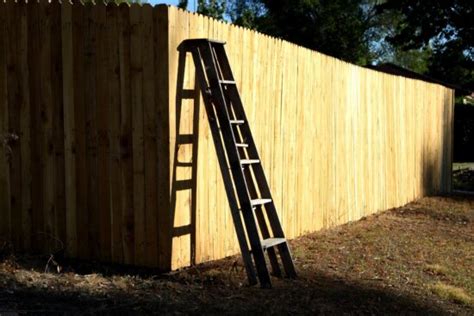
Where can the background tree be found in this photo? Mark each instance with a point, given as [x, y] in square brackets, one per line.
[212, 8]
[246, 13]
[333, 27]
[444, 27]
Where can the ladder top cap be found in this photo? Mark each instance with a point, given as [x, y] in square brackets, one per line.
[196, 41]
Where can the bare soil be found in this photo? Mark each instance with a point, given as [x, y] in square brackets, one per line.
[417, 259]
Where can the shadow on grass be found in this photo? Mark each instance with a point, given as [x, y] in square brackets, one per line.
[312, 293]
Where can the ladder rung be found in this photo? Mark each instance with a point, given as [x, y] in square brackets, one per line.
[272, 242]
[188, 94]
[185, 139]
[242, 145]
[249, 161]
[256, 202]
[180, 185]
[237, 122]
[226, 81]
[184, 164]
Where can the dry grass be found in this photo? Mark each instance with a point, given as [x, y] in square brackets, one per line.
[418, 259]
[437, 269]
[452, 293]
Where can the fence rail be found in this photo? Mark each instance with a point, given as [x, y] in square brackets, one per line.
[89, 120]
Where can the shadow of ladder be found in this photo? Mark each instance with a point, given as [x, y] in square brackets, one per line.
[182, 167]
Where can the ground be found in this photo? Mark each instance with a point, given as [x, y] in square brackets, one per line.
[418, 259]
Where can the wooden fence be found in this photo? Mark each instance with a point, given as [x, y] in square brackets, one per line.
[91, 126]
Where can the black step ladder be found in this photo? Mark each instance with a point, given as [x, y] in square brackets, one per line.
[236, 151]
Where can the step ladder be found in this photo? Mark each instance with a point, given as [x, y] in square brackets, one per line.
[247, 189]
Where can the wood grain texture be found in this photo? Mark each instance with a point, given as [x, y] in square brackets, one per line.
[91, 93]
[333, 137]
[5, 206]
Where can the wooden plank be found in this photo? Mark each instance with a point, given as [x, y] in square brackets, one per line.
[113, 85]
[69, 127]
[35, 97]
[180, 119]
[91, 136]
[13, 134]
[162, 88]
[57, 133]
[5, 206]
[103, 137]
[79, 80]
[196, 31]
[136, 93]
[25, 129]
[150, 138]
[126, 163]
[46, 108]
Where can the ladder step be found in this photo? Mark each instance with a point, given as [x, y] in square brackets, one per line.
[237, 122]
[257, 202]
[185, 139]
[249, 161]
[188, 94]
[272, 242]
[226, 81]
[180, 185]
[242, 145]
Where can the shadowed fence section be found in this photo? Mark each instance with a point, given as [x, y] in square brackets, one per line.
[101, 152]
[85, 113]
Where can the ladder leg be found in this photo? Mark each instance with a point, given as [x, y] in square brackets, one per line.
[262, 183]
[287, 260]
[234, 161]
[244, 248]
[257, 251]
[276, 271]
[262, 223]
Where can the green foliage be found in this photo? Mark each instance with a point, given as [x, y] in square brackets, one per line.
[246, 13]
[333, 27]
[183, 4]
[445, 27]
[212, 8]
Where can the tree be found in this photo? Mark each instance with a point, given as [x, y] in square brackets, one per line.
[183, 4]
[212, 8]
[445, 27]
[246, 13]
[333, 27]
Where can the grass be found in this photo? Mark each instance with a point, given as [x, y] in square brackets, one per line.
[452, 293]
[437, 269]
[417, 259]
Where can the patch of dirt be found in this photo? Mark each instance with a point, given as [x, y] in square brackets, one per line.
[387, 263]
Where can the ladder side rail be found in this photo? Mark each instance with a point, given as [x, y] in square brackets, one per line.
[242, 240]
[236, 166]
[252, 148]
[259, 172]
